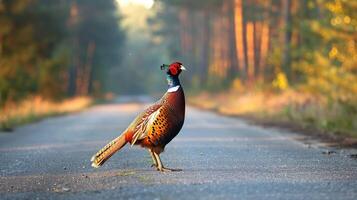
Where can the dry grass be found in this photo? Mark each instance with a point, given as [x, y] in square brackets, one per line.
[297, 108]
[233, 103]
[36, 108]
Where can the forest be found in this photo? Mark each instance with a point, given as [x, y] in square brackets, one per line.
[57, 49]
[54, 51]
[283, 60]
[256, 42]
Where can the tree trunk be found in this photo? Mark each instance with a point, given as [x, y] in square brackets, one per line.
[88, 69]
[239, 37]
[257, 43]
[264, 43]
[250, 52]
[264, 47]
[224, 35]
[72, 71]
[286, 36]
[205, 48]
[233, 70]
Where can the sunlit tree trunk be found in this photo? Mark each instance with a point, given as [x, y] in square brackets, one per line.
[215, 49]
[250, 52]
[239, 37]
[264, 42]
[225, 36]
[234, 68]
[264, 47]
[257, 43]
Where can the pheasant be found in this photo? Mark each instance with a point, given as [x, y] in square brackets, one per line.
[154, 128]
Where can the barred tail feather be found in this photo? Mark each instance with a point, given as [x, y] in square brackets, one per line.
[108, 150]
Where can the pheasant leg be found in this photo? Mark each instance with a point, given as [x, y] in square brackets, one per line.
[160, 167]
[154, 164]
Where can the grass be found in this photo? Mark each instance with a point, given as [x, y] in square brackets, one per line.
[37, 108]
[296, 108]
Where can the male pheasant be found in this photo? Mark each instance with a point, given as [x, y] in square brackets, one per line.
[156, 126]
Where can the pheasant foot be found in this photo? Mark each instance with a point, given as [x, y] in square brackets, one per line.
[165, 169]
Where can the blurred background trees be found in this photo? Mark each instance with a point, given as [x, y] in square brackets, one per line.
[57, 49]
[278, 60]
[256, 43]
[79, 47]
[66, 48]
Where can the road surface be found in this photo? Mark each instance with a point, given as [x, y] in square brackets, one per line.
[221, 158]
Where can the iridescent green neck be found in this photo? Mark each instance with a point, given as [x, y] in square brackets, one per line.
[172, 81]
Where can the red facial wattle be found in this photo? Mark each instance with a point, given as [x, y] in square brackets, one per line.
[173, 70]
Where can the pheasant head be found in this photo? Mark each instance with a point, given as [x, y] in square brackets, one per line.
[173, 71]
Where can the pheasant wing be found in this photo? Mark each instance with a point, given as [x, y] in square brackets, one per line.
[141, 123]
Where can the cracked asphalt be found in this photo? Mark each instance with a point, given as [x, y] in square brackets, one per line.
[221, 158]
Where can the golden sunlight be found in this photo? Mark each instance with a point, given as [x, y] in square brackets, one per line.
[145, 3]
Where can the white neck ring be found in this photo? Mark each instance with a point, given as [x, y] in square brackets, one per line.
[173, 89]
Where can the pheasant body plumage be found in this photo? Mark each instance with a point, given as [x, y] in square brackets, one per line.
[156, 126]
[166, 122]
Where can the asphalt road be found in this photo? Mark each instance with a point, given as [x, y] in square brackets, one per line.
[221, 158]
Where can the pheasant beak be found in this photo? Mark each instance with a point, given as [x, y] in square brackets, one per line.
[183, 68]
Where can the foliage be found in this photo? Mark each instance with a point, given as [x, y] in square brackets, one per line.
[273, 45]
[280, 82]
[57, 48]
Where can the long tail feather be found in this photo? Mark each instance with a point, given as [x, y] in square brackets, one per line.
[108, 150]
